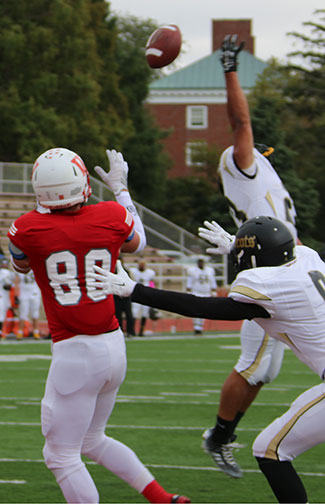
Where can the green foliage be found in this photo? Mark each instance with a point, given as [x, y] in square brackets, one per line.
[268, 115]
[287, 110]
[73, 75]
[53, 78]
[142, 147]
[192, 200]
[306, 90]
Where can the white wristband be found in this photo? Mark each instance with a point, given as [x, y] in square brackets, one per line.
[125, 200]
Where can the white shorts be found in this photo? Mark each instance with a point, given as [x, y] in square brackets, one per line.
[29, 306]
[297, 430]
[261, 356]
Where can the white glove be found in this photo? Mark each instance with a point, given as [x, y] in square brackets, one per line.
[117, 177]
[119, 284]
[216, 235]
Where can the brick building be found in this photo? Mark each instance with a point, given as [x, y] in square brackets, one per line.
[192, 101]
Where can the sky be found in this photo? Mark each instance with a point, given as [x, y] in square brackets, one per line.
[271, 21]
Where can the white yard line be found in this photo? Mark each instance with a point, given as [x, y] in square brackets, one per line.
[140, 399]
[12, 482]
[129, 427]
[159, 466]
[23, 357]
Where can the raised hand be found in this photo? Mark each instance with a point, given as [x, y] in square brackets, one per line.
[229, 53]
[216, 235]
[117, 177]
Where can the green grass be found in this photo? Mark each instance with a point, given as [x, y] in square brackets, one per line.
[168, 399]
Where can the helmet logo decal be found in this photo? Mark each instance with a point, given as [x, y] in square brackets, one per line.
[246, 242]
[80, 164]
[53, 152]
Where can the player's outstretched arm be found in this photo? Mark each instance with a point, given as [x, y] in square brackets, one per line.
[214, 308]
[117, 181]
[216, 235]
[237, 106]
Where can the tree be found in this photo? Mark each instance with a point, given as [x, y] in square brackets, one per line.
[143, 147]
[306, 91]
[272, 118]
[53, 79]
[73, 74]
[192, 200]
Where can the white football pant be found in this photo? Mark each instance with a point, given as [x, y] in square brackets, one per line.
[297, 430]
[29, 305]
[261, 356]
[82, 384]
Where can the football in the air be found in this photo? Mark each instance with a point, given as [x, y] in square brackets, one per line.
[163, 46]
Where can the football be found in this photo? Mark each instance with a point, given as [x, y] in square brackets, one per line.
[163, 46]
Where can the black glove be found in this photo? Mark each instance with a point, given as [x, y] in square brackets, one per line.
[229, 53]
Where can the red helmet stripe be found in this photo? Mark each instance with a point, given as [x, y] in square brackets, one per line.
[80, 164]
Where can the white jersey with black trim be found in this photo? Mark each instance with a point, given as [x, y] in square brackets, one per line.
[7, 279]
[201, 280]
[261, 193]
[294, 296]
[27, 285]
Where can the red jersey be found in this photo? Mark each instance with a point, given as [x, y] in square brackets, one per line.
[62, 249]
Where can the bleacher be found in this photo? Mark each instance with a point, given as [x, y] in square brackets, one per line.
[169, 274]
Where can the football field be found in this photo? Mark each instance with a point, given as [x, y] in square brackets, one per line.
[169, 397]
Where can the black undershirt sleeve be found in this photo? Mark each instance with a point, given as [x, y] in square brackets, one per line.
[214, 308]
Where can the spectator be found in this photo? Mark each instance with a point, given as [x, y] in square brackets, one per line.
[142, 275]
[7, 281]
[201, 281]
[29, 303]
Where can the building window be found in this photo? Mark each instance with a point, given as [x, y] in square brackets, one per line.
[193, 153]
[197, 117]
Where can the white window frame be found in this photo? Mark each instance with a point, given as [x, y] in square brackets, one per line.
[188, 152]
[193, 120]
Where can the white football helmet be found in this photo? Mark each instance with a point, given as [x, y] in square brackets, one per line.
[60, 179]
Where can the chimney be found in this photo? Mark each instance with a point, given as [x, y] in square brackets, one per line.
[241, 27]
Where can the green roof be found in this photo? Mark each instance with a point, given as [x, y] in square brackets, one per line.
[207, 73]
